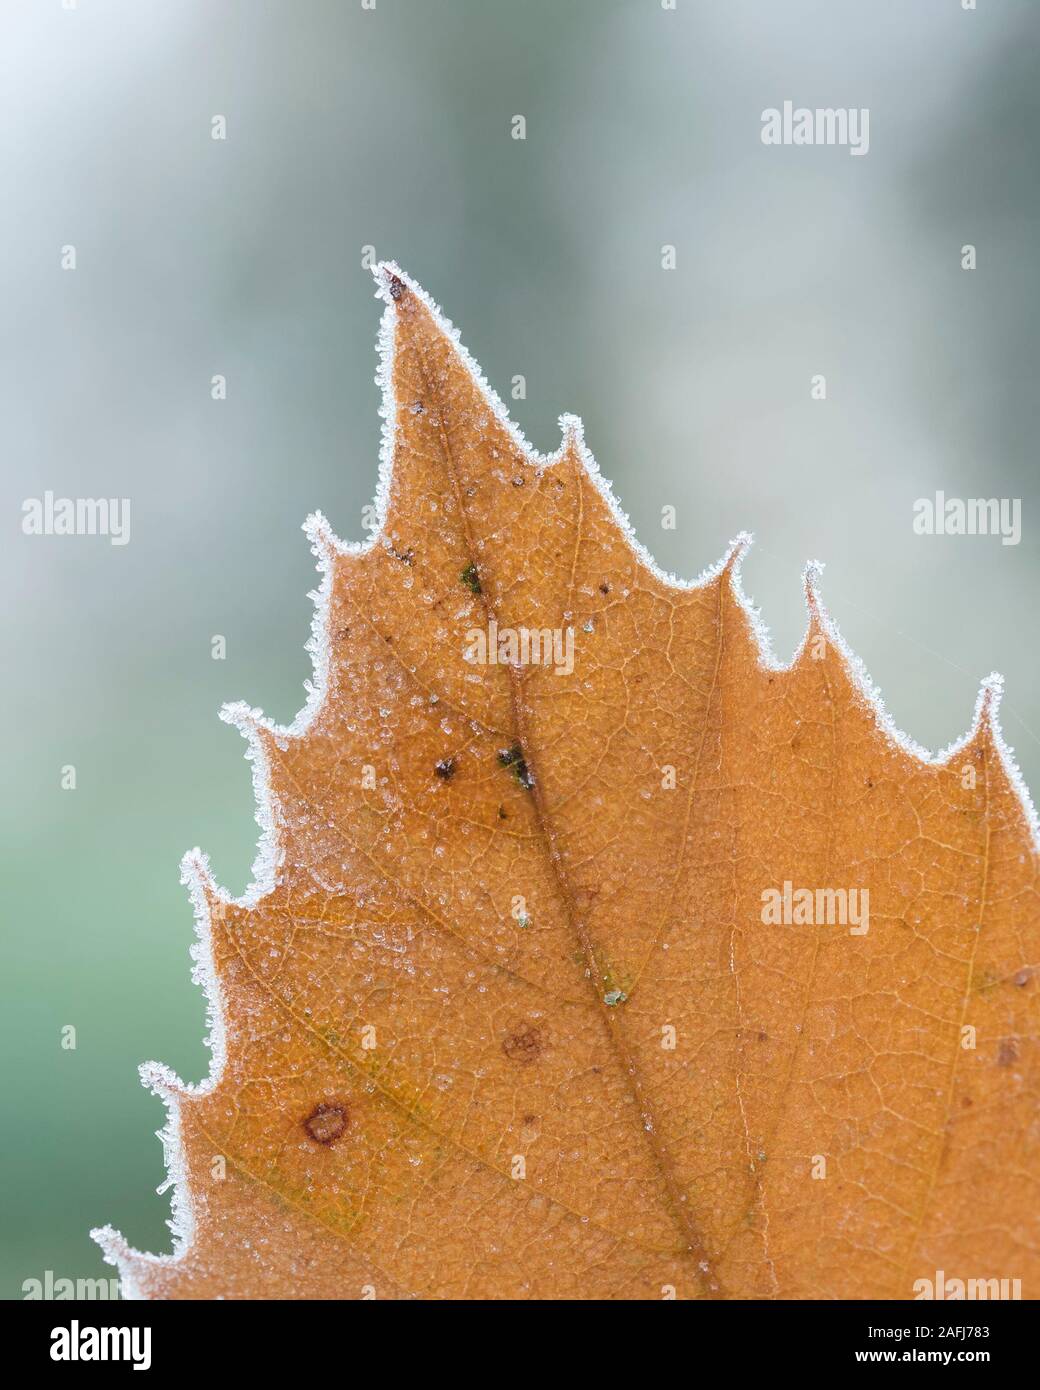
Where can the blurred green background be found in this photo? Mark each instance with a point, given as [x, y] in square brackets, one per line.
[391, 128]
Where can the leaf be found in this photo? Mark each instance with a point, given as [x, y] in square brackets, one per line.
[505, 1013]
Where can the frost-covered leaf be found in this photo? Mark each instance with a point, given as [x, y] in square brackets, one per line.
[508, 1012]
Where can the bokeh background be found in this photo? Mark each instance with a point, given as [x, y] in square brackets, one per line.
[391, 128]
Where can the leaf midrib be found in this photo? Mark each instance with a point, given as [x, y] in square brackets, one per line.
[694, 1248]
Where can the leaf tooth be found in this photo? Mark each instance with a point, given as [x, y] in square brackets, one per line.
[197, 876]
[115, 1248]
[239, 715]
[987, 735]
[321, 536]
[734, 555]
[987, 704]
[162, 1081]
[811, 577]
[572, 436]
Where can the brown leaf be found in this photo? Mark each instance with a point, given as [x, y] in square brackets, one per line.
[507, 1013]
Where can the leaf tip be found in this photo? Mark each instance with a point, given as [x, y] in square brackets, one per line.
[391, 282]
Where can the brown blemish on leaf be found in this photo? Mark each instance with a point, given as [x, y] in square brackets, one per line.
[530, 1128]
[446, 768]
[1007, 1053]
[523, 1046]
[397, 287]
[326, 1123]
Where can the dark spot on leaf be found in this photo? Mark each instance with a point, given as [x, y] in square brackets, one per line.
[1022, 978]
[523, 1046]
[471, 579]
[869, 782]
[405, 556]
[502, 813]
[513, 758]
[445, 768]
[326, 1123]
[417, 408]
[397, 287]
[604, 588]
[1007, 1052]
[518, 482]
[529, 1119]
[763, 1037]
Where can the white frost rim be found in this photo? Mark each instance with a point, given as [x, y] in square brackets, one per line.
[195, 869]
